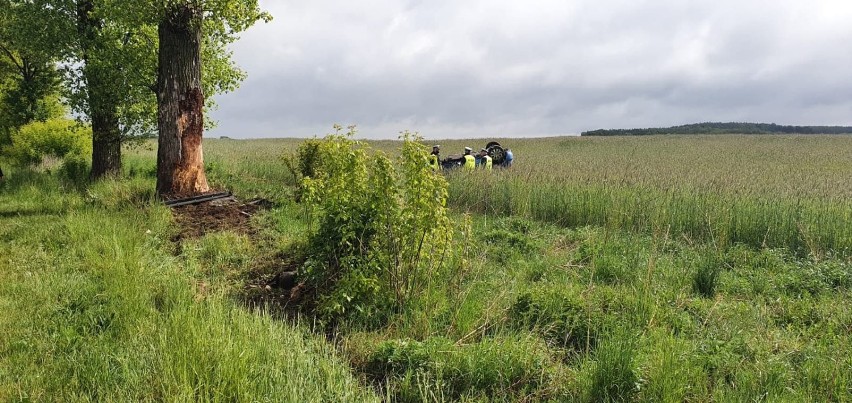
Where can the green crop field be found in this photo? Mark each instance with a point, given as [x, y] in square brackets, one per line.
[658, 268]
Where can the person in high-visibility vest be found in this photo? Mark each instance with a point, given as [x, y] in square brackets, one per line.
[435, 158]
[469, 160]
[485, 159]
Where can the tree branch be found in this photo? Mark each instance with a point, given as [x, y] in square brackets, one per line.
[11, 56]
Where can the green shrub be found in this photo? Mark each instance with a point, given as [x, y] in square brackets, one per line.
[309, 158]
[380, 229]
[56, 138]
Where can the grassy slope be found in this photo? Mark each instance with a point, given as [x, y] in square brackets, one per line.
[94, 307]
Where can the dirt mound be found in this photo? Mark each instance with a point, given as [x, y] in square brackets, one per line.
[273, 282]
[226, 214]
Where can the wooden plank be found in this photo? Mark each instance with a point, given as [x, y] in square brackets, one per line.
[197, 199]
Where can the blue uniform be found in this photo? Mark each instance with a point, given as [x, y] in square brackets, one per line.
[508, 158]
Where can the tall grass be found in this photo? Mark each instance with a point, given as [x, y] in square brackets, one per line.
[248, 168]
[93, 307]
[801, 224]
[614, 375]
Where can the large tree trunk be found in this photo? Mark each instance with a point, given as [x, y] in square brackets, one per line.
[180, 162]
[103, 109]
[106, 141]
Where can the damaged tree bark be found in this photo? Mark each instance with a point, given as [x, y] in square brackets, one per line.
[180, 162]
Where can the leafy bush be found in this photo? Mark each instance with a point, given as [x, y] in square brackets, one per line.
[381, 228]
[309, 158]
[58, 138]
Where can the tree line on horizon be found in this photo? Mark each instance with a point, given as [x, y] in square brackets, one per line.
[723, 128]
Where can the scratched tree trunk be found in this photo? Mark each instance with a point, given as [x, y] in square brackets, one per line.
[180, 161]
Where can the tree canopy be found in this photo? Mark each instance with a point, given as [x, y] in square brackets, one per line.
[29, 81]
[127, 43]
[106, 54]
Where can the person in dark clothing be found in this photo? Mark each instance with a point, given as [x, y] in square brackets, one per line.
[435, 158]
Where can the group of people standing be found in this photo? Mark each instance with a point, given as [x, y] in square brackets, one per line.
[471, 161]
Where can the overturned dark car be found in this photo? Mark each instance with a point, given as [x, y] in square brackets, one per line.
[493, 149]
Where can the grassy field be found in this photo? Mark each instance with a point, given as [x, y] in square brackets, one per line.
[764, 191]
[676, 268]
[793, 192]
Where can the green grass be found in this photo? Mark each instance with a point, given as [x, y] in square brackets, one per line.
[812, 226]
[95, 308]
[650, 269]
[652, 338]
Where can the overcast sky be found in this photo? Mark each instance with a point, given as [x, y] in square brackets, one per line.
[500, 68]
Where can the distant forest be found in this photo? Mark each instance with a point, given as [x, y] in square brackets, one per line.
[723, 128]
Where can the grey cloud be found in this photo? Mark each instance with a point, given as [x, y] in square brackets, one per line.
[507, 68]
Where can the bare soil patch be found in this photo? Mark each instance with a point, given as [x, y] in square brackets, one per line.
[228, 214]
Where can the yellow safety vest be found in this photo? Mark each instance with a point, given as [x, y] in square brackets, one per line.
[469, 162]
[487, 163]
[433, 162]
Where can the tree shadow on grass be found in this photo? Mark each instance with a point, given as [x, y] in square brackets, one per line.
[30, 212]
